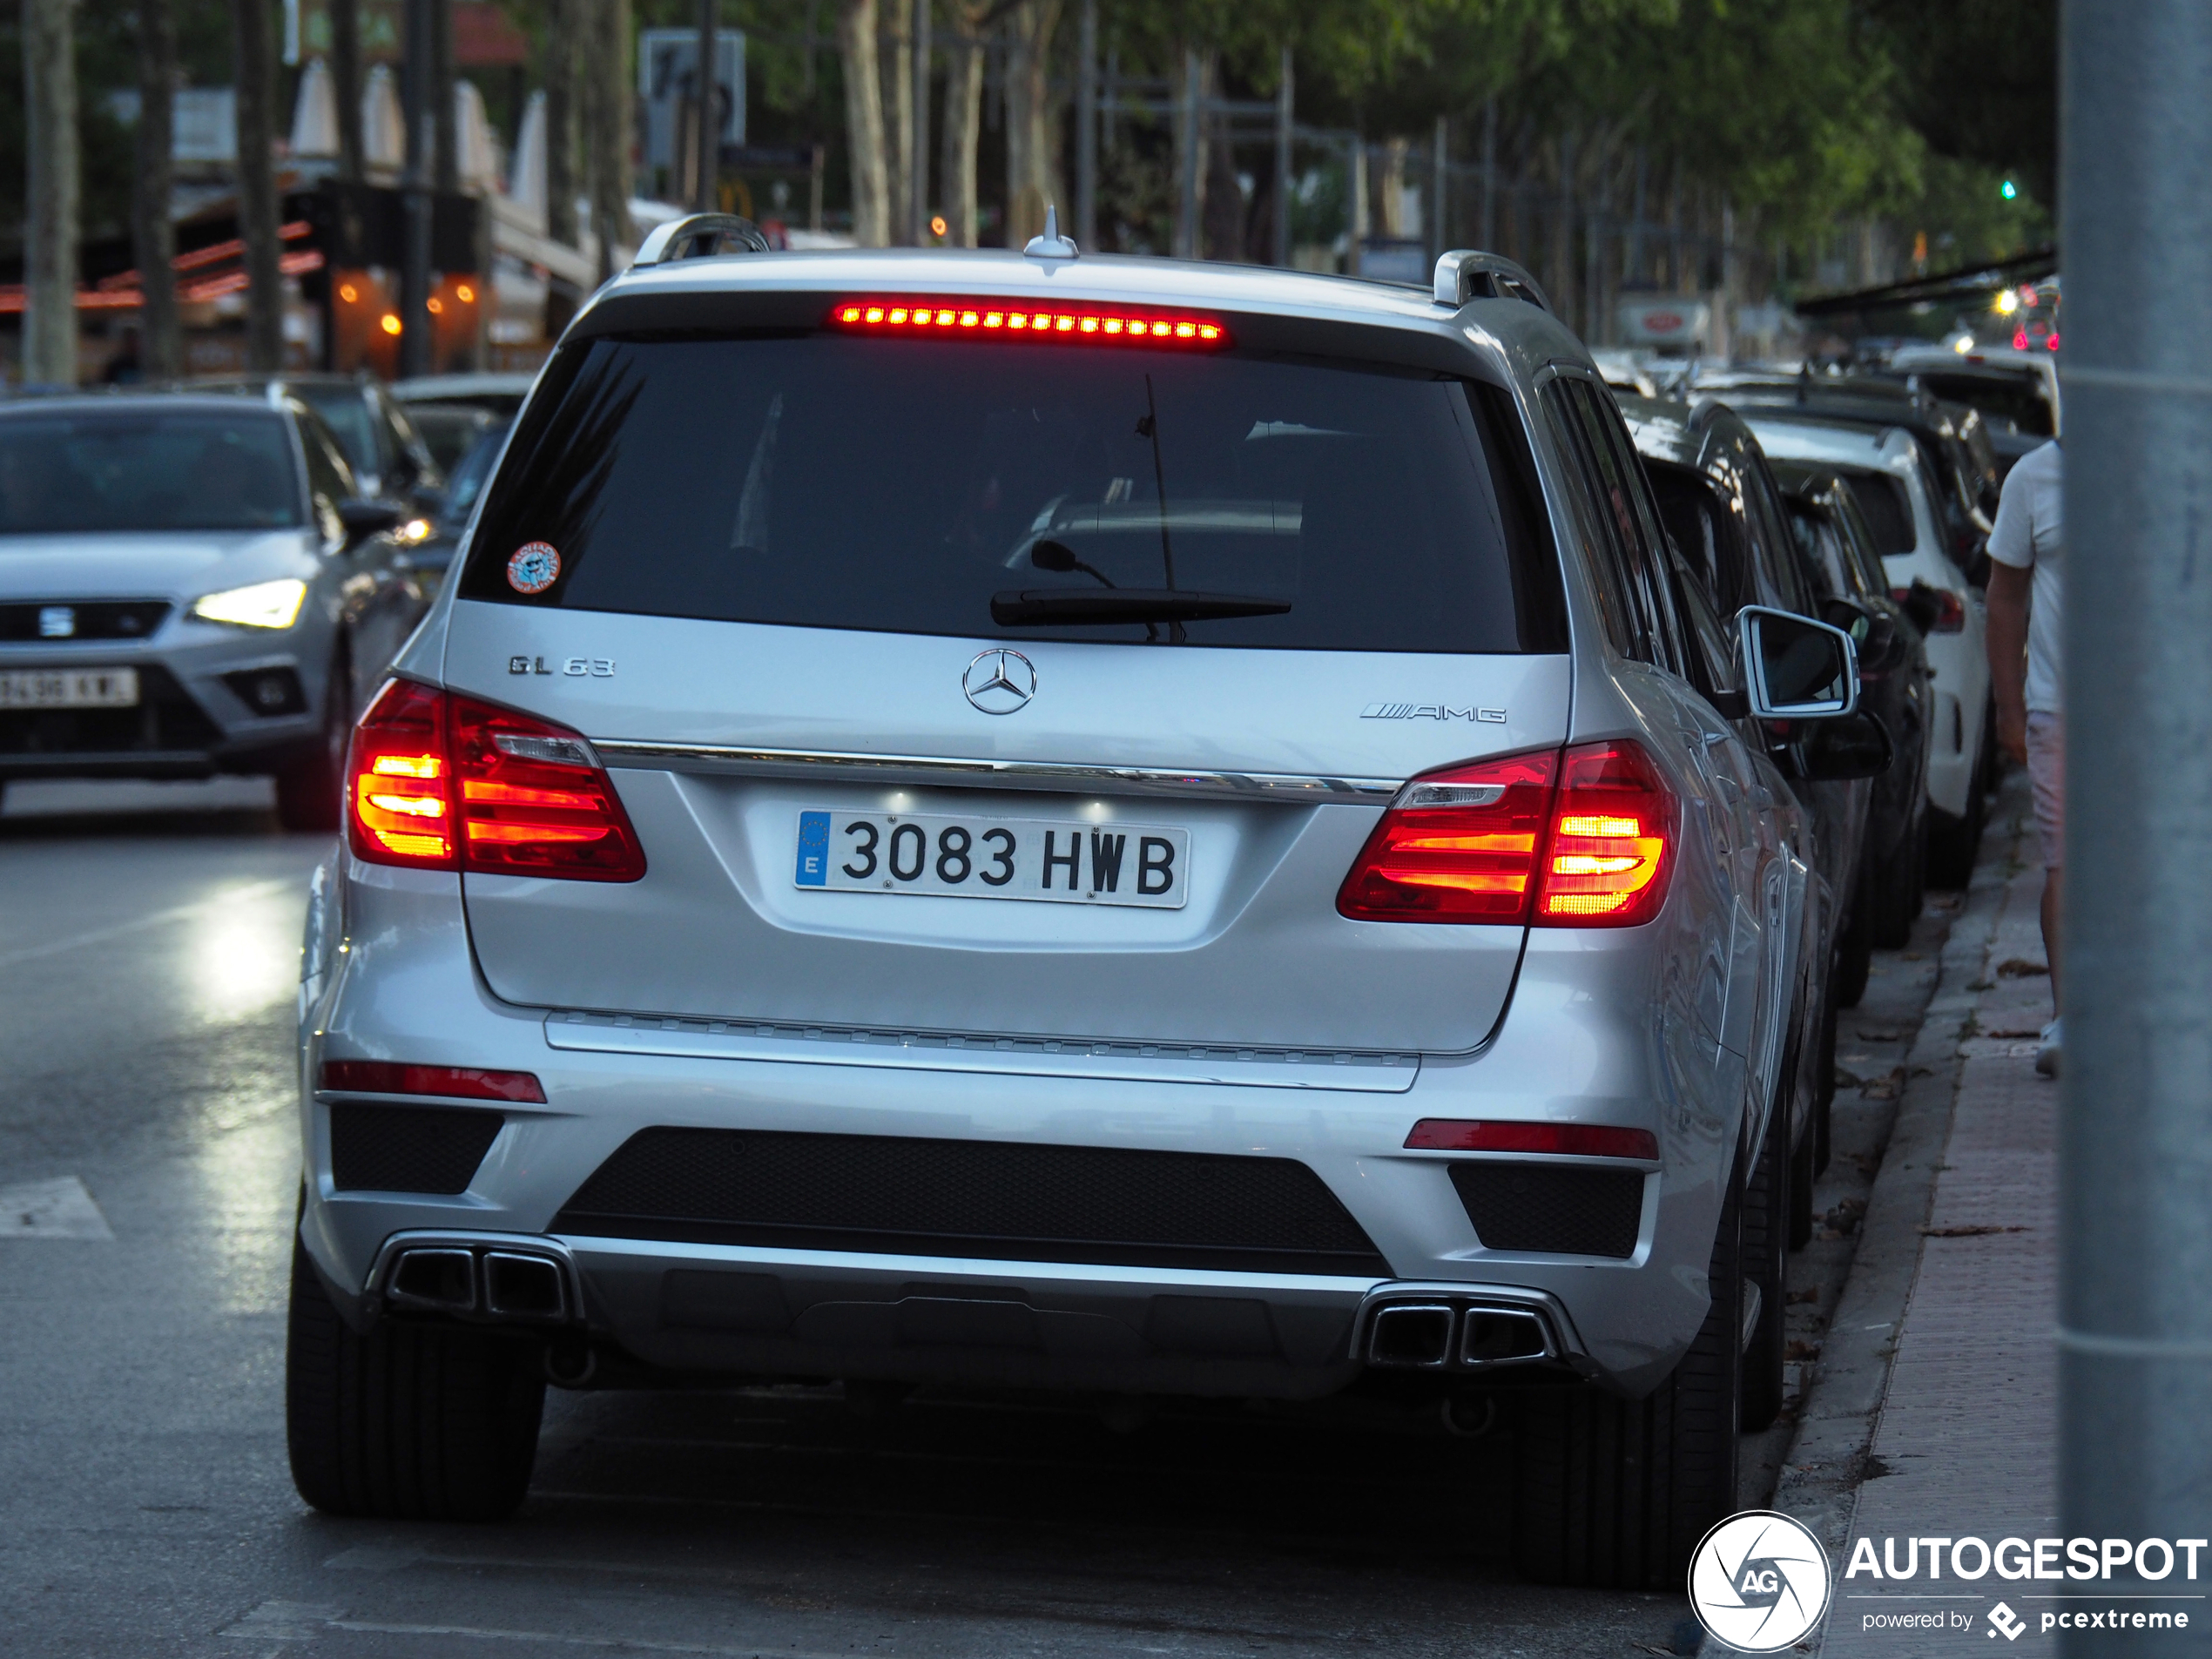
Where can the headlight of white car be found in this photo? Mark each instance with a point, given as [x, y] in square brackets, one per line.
[265, 604]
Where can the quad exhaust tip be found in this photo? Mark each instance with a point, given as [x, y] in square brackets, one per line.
[507, 1285]
[1437, 1334]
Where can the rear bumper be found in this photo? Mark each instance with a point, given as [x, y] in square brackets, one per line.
[1582, 1044]
[690, 1309]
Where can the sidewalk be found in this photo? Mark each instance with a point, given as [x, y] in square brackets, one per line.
[1964, 1438]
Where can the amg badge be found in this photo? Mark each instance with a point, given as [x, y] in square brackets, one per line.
[1433, 711]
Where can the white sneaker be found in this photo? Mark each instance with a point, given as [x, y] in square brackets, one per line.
[2048, 1047]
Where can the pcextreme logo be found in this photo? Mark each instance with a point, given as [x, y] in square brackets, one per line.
[1759, 1582]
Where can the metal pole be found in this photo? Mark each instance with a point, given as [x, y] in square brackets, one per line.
[2135, 1153]
[421, 135]
[1087, 129]
[707, 153]
[1186, 209]
[1440, 189]
[918, 174]
[1286, 112]
[1490, 173]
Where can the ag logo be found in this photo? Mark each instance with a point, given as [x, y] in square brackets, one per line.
[1759, 1582]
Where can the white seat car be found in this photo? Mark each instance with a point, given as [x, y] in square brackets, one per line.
[1113, 825]
[1890, 479]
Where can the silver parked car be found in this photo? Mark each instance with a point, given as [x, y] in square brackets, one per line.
[1079, 823]
[190, 585]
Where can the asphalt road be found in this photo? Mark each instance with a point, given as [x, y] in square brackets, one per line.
[148, 952]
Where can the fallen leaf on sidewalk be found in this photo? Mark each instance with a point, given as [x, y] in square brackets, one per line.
[2021, 967]
[1967, 1232]
[1870, 1034]
[1810, 1293]
[2013, 1036]
[1802, 1351]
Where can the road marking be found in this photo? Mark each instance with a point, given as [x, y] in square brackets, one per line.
[57, 1209]
[284, 1622]
[180, 912]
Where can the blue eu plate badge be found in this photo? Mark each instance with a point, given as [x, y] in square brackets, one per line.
[814, 849]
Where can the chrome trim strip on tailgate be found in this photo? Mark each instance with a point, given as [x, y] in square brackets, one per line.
[1004, 774]
[1361, 1071]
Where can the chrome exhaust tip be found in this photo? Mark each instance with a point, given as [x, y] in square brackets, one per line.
[1439, 1329]
[1413, 1333]
[443, 1281]
[495, 1277]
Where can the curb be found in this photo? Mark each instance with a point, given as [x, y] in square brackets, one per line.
[1828, 1459]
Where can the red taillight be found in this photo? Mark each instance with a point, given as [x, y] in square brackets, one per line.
[1583, 833]
[458, 1083]
[1456, 846]
[1567, 1140]
[399, 782]
[1950, 609]
[1024, 320]
[1606, 864]
[443, 782]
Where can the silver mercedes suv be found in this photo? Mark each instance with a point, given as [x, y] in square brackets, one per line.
[1030, 821]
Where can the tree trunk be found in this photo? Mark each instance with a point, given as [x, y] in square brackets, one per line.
[608, 125]
[346, 84]
[963, 123]
[1224, 209]
[1031, 185]
[153, 237]
[563, 19]
[864, 123]
[898, 72]
[49, 232]
[253, 60]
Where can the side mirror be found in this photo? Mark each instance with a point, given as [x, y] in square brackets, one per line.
[1834, 750]
[1794, 668]
[363, 518]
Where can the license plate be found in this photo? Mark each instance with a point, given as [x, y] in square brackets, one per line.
[69, 688]
[1042, 860]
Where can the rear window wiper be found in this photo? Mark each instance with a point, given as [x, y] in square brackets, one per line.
[1033, 607]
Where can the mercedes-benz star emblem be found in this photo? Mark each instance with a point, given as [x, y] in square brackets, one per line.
[999, 682]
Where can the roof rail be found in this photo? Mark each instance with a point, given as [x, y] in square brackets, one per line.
[699, 236]
[1465, 274]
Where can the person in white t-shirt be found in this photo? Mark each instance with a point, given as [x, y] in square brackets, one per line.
[2027, 601]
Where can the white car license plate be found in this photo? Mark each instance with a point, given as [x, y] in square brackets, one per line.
[69, 688]
[994, 858]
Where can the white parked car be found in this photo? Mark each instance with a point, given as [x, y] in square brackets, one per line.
[1891, 478]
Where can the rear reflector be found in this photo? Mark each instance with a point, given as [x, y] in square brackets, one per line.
[1567, 1140]
[443, 782]
[1574, 839]
[1024, 320]
[455, 1083]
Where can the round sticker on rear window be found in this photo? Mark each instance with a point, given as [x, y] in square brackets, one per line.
[535, 567]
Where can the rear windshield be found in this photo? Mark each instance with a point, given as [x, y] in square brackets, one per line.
[146, 469]
[2016, 399]
[902, 486]
[1888, 507]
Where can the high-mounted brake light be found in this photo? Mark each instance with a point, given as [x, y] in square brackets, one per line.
[1013, 319]
[442, 782]
[1562, 1140]
[1573, 839]
[456, 1082]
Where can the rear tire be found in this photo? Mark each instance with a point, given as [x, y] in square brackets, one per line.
[1767, 1216]
[408, 1422]
[1897, 886]
[1855, 948]
[311, 790]
[1616, 1493]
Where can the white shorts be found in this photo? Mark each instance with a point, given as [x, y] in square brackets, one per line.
[2047, 782]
